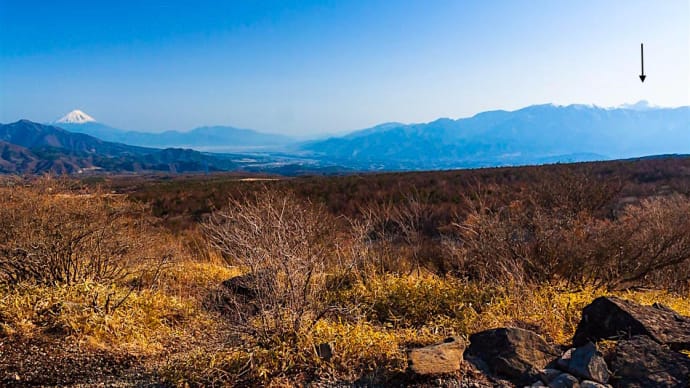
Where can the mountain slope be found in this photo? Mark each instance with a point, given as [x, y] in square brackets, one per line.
[32, 135]
[14, 158]
[530, 135]
[29, 147]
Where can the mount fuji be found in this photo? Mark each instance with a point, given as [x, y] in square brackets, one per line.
[80, 122]
[75, 117]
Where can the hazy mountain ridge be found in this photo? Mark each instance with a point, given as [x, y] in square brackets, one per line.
[524, 136]
[200, 137]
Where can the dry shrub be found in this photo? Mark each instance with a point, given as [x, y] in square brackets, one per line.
[575, 189]
[400, 235]
[647, 245]
[286, 247]
[52, 234]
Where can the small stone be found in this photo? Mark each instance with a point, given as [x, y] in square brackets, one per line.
[549, 374]
[565, 380]
[324, 351]
[592, 384]
[441, 358]
[585, 362]
[564, 360]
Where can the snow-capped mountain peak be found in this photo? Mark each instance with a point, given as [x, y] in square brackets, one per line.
[76, 117]
[640, 105]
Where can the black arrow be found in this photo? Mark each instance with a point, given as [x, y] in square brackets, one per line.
[642, 76]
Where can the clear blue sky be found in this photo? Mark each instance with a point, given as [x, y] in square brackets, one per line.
[310, 67]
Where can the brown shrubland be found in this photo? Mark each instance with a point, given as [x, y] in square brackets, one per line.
[369, 265]
[647, 244]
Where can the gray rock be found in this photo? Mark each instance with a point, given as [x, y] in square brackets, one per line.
[615, 318]
[642, 362]
[441, 358]
[585, 362]
[516, 355]
[565, 380]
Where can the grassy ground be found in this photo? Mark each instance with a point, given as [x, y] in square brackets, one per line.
[173, 338]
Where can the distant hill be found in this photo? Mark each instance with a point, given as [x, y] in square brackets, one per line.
[15, 159]
[32, 135]
[209, 138]
[30, 148]
[533, 135]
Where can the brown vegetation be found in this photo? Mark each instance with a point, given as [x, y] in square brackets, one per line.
[215, 281]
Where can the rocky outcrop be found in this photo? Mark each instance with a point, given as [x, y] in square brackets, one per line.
[615, 318]
[646, 354]
[514, 354]
[436, 359]
[643, 362]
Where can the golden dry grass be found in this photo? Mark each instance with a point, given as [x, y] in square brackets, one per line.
[114, 316]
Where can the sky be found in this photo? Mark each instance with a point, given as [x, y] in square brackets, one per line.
[314, 68]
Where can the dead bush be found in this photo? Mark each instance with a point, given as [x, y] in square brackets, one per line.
[51, 234]
[401, 235]
[647, 245]
[286, 247]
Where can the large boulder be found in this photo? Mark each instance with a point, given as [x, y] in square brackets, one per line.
[585, 362]
[237, 296]
[514, 354]
[642, 362]
[615, 318]
[436, 359]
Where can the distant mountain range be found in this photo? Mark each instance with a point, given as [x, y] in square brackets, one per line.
[210, 138]
[533, 135]
[31, 148]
